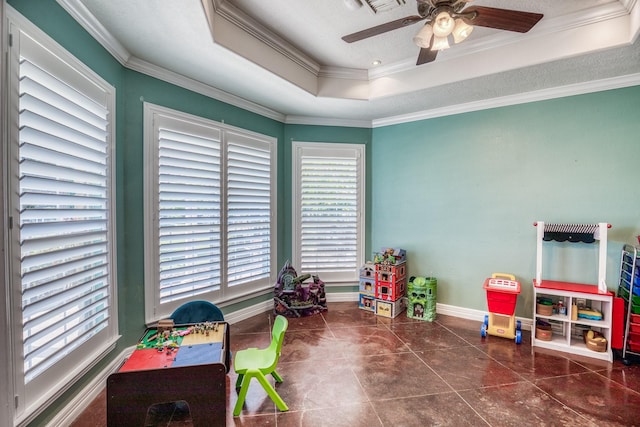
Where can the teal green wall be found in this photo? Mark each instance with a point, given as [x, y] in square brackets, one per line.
[461, 193]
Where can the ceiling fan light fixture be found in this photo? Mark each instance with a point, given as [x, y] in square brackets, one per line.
[461, 31]
[443, 24]
[446, 18]
[423, 38]
[440, 43]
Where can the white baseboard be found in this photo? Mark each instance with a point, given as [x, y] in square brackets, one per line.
[343, 296]
[471, 314]
[78, 404]
[445, 309]
[267, 306]
[83, 399]
[247, 312]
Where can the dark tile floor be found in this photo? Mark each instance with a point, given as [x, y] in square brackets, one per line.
[348, 367]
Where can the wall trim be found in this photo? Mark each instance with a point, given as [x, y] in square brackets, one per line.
[247, 312]
[521, 98]
[267, 306]
[322, 121]
[477, 315]
[84, 397]
[444, 309]
[179, 80]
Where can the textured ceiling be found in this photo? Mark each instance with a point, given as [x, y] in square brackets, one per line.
[286, 59]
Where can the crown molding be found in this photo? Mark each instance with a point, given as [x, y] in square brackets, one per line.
[629, 4]
[85, 18]
[251, 26]
[320, 121]
[81, 14]
[160, 73]
[523, 98]
[343, 73]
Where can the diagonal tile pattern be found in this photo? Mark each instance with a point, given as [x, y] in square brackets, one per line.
[348, 367]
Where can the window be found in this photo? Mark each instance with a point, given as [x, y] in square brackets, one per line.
[210, 197]
[328, 193]
[60, 197]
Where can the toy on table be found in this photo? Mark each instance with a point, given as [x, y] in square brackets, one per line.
[502, 293]
[167, 337]
[390, 256]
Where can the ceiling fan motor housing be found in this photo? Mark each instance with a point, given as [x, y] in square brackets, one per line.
[431, 8]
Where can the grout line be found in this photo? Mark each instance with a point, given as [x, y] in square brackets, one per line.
[561, 403]
[483, 351]
[449, 385]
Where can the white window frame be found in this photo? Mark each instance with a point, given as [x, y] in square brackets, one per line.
[6, 360]
[156, 116]
[319, 150]
[27, 400]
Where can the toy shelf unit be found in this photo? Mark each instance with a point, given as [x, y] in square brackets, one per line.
[629, 291]
[565, 330]
[573, 317]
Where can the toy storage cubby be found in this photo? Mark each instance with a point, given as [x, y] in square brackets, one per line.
[567, 330]
[586, 306]
[367, 297]
[629, 291]
[391, 281]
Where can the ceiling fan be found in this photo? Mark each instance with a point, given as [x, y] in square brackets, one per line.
[450, 17]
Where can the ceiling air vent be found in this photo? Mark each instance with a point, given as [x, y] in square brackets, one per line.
[384, 5]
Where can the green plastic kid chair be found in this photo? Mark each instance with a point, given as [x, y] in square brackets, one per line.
[255, 362]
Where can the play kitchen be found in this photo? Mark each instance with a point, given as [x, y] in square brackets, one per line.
[568, 316]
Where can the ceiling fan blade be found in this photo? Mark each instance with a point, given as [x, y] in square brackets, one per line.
[383, 28]
[426, 55]
[502, 19]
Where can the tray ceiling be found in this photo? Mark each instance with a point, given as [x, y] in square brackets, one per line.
[287, 60]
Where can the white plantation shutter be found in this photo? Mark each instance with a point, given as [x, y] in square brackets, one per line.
[189, 213]
[63, 216]
[249, 181]
[328, 192]
[329, 214]
[210, 190]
